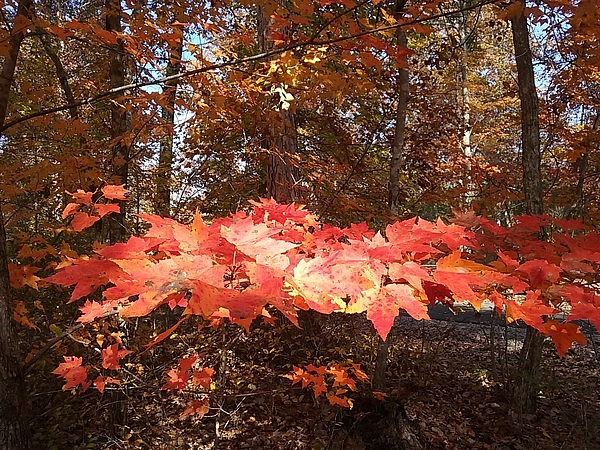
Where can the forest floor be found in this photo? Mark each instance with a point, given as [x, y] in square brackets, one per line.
[441, 371]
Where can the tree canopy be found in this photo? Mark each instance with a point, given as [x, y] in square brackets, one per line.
[218, 163]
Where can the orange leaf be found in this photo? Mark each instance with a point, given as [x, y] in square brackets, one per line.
[70, 209]
[111, 356]
[104, 209]
[81, 221]
[115, 192]
[100, 383]
[20, 315]
[73, 372]
[21, 276]
[162, 336]
[82, 197]
[202, 377]
[196, 407]
[563, 335]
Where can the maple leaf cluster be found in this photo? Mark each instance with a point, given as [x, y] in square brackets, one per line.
[281, 255]
[334, 381]
[81, 219]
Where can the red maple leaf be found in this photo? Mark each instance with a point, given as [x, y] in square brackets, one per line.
[468, 219]
[100, 383]
[533, 222]
[92, 310]
[188, 362]
[385, 309]
[111, 356]
[134, 248]
[437, 293]
[73, 372]
[271, 210]
[196, 407]
[358, 232]
[587, 311]
[82, 197]
[70, 209]
[81, 221]
[199, 230]
[411, 272]
[255, 239]
[341, 377]
[541, 273]
[563, 335]
[87, 275]
[339, 399]
[115, 192]
[165, 334]
[177, 379]
[104, 209]
[202, 377]
[530, 311]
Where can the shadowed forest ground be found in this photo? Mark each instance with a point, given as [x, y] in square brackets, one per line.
[440, 370]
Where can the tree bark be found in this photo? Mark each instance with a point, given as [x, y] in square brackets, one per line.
[61, 73]
[8, 67]
[523, 387]
[464, 86]
[530, 125]
[120, 117]
[577, 209]
[396, 163]
[14, 423]
[281, 137]
[165, 157]
[120, 125]
[397, 160]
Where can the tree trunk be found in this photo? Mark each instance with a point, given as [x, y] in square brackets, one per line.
[61, 73]
[577, 209]
[14, 424]
[165, 157]
[465, 110]
[523, 387]
[10, 63]
[120, 117]
[397, 160]
[281, 137]
[120, 124]
[530, 125]
[396, 163]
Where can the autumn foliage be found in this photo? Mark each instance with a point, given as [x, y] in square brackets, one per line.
[280, 256]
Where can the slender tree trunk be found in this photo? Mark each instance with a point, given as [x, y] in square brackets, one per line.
[165, 157]
[397, 161]
[10, 63]
[120, 124]
[524, 384]
[61, 73]
[14, 424]
[120, 117]
[530, 125]
[281, 137]
[577, 209]
[464, 86]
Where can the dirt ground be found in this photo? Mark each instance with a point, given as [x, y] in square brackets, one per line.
[448, 376]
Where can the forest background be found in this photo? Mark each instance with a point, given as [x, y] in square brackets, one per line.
[116, 115]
